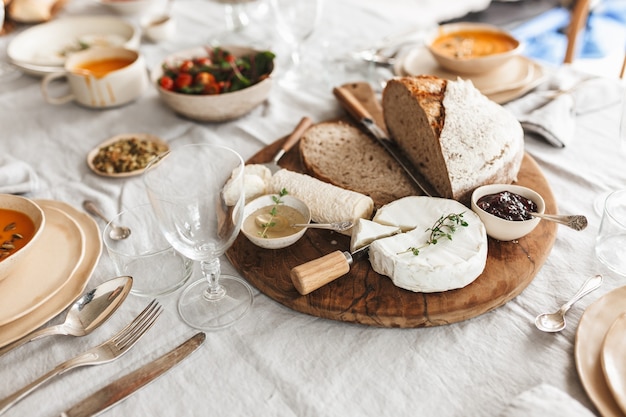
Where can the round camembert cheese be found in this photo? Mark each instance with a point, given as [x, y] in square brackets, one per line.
[447, 265]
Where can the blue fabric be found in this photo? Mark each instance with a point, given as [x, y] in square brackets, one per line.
[545, 37]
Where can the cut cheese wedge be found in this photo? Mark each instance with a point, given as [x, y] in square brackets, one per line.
[366, 231]
[447, 265]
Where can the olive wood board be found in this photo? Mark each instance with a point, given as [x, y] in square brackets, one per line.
[363, 296]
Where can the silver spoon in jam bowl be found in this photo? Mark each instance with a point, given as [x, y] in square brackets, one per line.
[86, 313]
[555, 322]
[574, 221]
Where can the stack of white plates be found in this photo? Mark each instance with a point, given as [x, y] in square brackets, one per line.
[55, 272]
[601, 353]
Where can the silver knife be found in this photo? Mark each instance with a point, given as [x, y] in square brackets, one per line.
[359, 112]
[118, 390]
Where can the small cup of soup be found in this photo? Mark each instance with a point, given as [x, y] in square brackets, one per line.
[21, 223]
[100, 77]
[269, 219]
[472, 48]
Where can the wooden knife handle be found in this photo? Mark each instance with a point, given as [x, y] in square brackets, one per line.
[297, 133]
[351, 104]
[316, 273]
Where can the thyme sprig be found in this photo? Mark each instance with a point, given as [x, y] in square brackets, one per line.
[444, 227]
[273, 212]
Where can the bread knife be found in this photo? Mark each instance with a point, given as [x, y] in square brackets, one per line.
[359, 112]
[118, 390]
[314, 274]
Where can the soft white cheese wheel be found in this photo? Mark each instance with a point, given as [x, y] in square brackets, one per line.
[366, 231]
[328, 203]
[445, 266]
[255, 182]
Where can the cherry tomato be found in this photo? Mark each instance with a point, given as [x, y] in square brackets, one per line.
[183, 80]
[186, 66]
[203, 61]
[166, 83]
[230, 58]
[204, 78]
[211, 88]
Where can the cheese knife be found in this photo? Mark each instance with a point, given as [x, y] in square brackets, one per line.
[118, 390]
[291, 140]
[361, 114]
[314, 274]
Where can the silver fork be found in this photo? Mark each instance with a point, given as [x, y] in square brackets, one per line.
[106, 352]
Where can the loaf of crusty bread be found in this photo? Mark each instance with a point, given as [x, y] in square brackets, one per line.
[456, 137]
[343, 155]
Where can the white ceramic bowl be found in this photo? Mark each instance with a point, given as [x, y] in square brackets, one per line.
[475, 64]
[128, 7]
[212, 108]
[267, 201]
[36, 214]
[502, 229]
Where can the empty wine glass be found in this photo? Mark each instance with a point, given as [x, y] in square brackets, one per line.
[296, 21]
[186, 190]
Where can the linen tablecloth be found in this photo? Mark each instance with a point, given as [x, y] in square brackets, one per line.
[276, 361]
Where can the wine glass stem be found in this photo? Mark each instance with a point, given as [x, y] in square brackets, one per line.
[211, 271]
[236, 17]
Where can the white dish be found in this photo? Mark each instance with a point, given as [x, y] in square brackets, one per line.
[72, 289]
[506, 83]
[592, 328]
[141, 136]
[613, 359]
[50, 263]
[42, 49]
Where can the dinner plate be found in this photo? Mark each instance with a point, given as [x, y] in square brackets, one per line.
[72, 289]
[512, 80]
[42, 49]
[52, 260]
[592, 328]
[613, 359]
[141, 136]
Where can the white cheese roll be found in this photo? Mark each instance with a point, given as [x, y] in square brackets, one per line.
[328, 203]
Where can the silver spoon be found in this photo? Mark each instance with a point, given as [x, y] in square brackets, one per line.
[337, 226]
[575, 221]
[555, 322]
[116, 232]
[86, 313]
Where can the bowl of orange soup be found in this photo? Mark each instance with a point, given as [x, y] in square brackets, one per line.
[21, 223]
[472, 48]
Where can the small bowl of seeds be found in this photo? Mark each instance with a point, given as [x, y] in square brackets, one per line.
[125, 155]
[21, 223]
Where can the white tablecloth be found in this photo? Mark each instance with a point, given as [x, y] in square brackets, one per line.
[277, 361]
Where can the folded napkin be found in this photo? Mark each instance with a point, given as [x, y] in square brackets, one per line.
[550, 110]
[545, 401]
[16, 177]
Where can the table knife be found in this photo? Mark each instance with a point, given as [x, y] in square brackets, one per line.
[359, 112]
[118, 390]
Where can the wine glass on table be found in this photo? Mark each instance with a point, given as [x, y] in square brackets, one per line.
[296, 21]
[186, 188]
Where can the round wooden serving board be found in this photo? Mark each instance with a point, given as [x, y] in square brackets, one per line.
[363, 296]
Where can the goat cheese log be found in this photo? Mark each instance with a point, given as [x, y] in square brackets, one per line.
[328, 203]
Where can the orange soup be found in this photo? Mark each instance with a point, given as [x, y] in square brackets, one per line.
[472, 44]
[102, 67]
[16, 230]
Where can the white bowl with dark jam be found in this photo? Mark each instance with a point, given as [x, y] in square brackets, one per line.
[505, 210]
[268, 220]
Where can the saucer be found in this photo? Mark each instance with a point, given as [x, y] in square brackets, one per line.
[51, 262]
[74, 286]
[613, 360]
[592, 328]
[504, 84]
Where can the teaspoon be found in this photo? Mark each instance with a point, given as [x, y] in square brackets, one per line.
[116, 232]
[576, 221]
[337, 226]
[86, 313]
[555, 322]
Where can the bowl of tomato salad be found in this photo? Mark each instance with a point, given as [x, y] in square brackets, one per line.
[214, 84]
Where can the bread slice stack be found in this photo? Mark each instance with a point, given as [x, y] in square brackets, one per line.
[456, 137]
